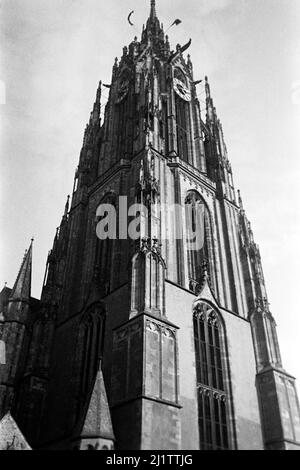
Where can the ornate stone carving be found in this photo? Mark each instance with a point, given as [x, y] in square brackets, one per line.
[147, 190]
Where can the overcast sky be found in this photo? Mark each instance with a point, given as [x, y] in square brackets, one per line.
[53, 54]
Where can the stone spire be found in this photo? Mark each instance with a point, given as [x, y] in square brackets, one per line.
[96, 113]
[153, 27]
[96, 429]
[22, 287]
[210, 110]
[67, 206]
[153, 10]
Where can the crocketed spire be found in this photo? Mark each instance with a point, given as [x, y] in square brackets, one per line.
[154, 30]
[153, 10]
[22, 287]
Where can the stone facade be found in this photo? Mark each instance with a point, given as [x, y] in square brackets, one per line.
[148, 343]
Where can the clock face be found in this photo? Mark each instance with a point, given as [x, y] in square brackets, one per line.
[123, 90]
[182, 90]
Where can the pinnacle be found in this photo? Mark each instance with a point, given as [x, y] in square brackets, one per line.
[153, 15]
[153, 9]
[153, 24]
[22, 287]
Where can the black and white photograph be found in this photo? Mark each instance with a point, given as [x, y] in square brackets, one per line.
[149, 227]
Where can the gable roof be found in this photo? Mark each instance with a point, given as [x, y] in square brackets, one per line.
[11, 437]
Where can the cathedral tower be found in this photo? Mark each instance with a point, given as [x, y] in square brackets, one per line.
[164, 340]
[16, 317]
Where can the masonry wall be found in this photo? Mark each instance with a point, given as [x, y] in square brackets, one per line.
[243, 377]
[242, 372]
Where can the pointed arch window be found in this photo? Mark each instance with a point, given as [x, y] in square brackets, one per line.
[89, 351]
[122, 112]
[183, 121]
[211, 383]
[104, 253]
[198, 238]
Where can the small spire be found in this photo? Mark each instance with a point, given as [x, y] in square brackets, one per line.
[115, 66]
[190, 65]
[97, 420]
[95, 114]
[207, 88]
[153, 27]
[240, 199]
[153, 10]
[98, 96]
[85, 137]
[22, 287]
[167, 44]
[210, 109]
[67, 206]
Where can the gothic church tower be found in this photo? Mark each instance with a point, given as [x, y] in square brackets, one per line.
[152, 343]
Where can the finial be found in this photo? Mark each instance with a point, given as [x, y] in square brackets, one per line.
[98, 97]
[207, 87]
[115, 66]
[5, 285]
[85, 134]
[240, 199]
[67, 205]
